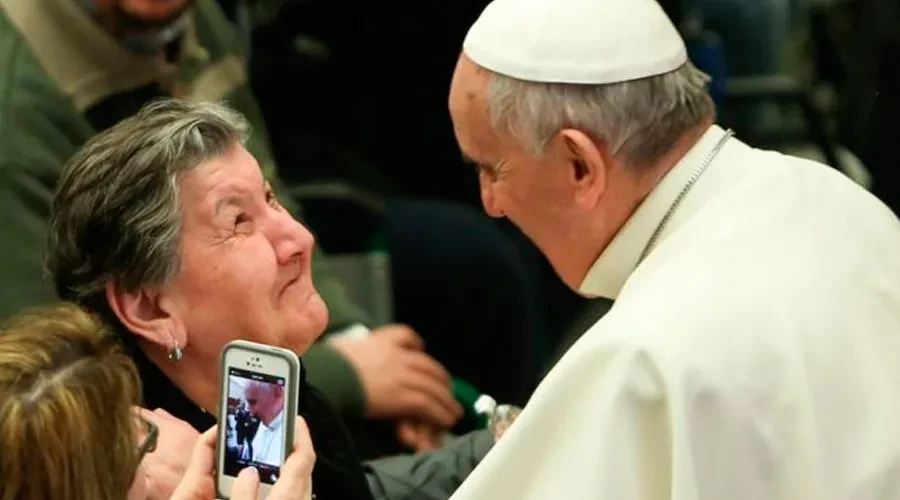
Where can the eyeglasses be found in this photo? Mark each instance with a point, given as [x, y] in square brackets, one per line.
[148, 433]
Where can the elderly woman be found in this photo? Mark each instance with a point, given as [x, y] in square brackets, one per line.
[68, 425]
[165, 225]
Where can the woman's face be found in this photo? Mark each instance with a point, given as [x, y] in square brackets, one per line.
[244, 264]
[140, 488]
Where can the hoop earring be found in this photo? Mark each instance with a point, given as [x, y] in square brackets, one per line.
[176, 352]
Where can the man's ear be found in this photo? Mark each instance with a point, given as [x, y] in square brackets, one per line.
[143, 313]
[587, 166]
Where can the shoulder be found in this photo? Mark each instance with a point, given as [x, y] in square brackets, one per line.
[38, 125]
[214, 31]
[690, 340]
[22, 74]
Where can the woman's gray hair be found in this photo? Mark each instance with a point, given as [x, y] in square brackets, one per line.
[640, 120]
[116, 213]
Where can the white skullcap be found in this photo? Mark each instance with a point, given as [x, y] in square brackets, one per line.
[575, 41]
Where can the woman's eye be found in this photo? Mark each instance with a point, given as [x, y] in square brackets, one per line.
[271, 200]
[241, 218]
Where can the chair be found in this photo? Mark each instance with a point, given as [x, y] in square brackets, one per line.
[782, 90]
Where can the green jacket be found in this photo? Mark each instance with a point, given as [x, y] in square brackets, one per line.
[62, 79]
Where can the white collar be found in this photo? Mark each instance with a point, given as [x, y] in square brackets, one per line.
[276, 422]
[619, 259]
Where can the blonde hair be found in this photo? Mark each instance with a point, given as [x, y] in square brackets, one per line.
[67, 425]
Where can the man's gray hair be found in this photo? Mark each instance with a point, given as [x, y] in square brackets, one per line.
[640, 120]
[116, 213]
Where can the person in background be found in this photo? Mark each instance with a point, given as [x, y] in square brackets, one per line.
[750, 351]
[69, 428]
[77, 67]
[165, 226]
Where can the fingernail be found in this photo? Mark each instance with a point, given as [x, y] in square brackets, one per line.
[251, 471]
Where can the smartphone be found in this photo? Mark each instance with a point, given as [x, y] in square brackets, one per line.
[257, 407]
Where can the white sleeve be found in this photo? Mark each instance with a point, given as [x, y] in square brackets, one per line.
[615, 424]
[672, 430]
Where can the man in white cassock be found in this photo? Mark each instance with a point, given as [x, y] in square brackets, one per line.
[753, 348]
[266, 402]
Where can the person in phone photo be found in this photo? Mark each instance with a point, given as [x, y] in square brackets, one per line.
[255, 416]
[242, 427]
[266, 402]
[66, 383]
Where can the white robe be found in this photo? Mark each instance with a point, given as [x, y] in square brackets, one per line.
[754, 355]
[268, 443]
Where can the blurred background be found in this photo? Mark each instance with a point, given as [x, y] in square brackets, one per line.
[358, 90]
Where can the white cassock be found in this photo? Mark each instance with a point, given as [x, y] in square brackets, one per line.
[268, 443]
[753, 355]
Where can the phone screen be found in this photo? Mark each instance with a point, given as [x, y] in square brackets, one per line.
[254, 434]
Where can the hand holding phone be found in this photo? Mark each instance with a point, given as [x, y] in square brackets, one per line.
[257, 409]
[295, 482]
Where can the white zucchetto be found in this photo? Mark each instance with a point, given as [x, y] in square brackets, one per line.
[575, 41]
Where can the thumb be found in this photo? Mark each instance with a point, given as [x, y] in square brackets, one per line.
[246, 486]
[404, 336]
[203, 458]
[198, 469]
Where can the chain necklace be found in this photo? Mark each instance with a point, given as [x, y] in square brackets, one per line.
[684, 191]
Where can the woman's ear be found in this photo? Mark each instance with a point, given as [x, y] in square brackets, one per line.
[142, 313]
[588, 167]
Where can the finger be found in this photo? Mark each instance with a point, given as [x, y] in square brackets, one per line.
[246, 485]
[164, 414]
[426, 442]
[421, 405]
[199, 468]
[203, 458]
[153, 416]
[433, 437]
[419, 436]
[403, 336]
[302, 440]
[406, 434]
[427, 366]
[158, 416]
[434, 380]
[295, 478]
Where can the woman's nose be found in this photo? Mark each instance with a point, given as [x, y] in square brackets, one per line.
[293, 240]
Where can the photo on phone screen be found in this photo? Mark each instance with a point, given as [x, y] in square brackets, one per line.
[254, 434]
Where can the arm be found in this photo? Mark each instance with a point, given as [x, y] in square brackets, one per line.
[330, 372]
[433, 474]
